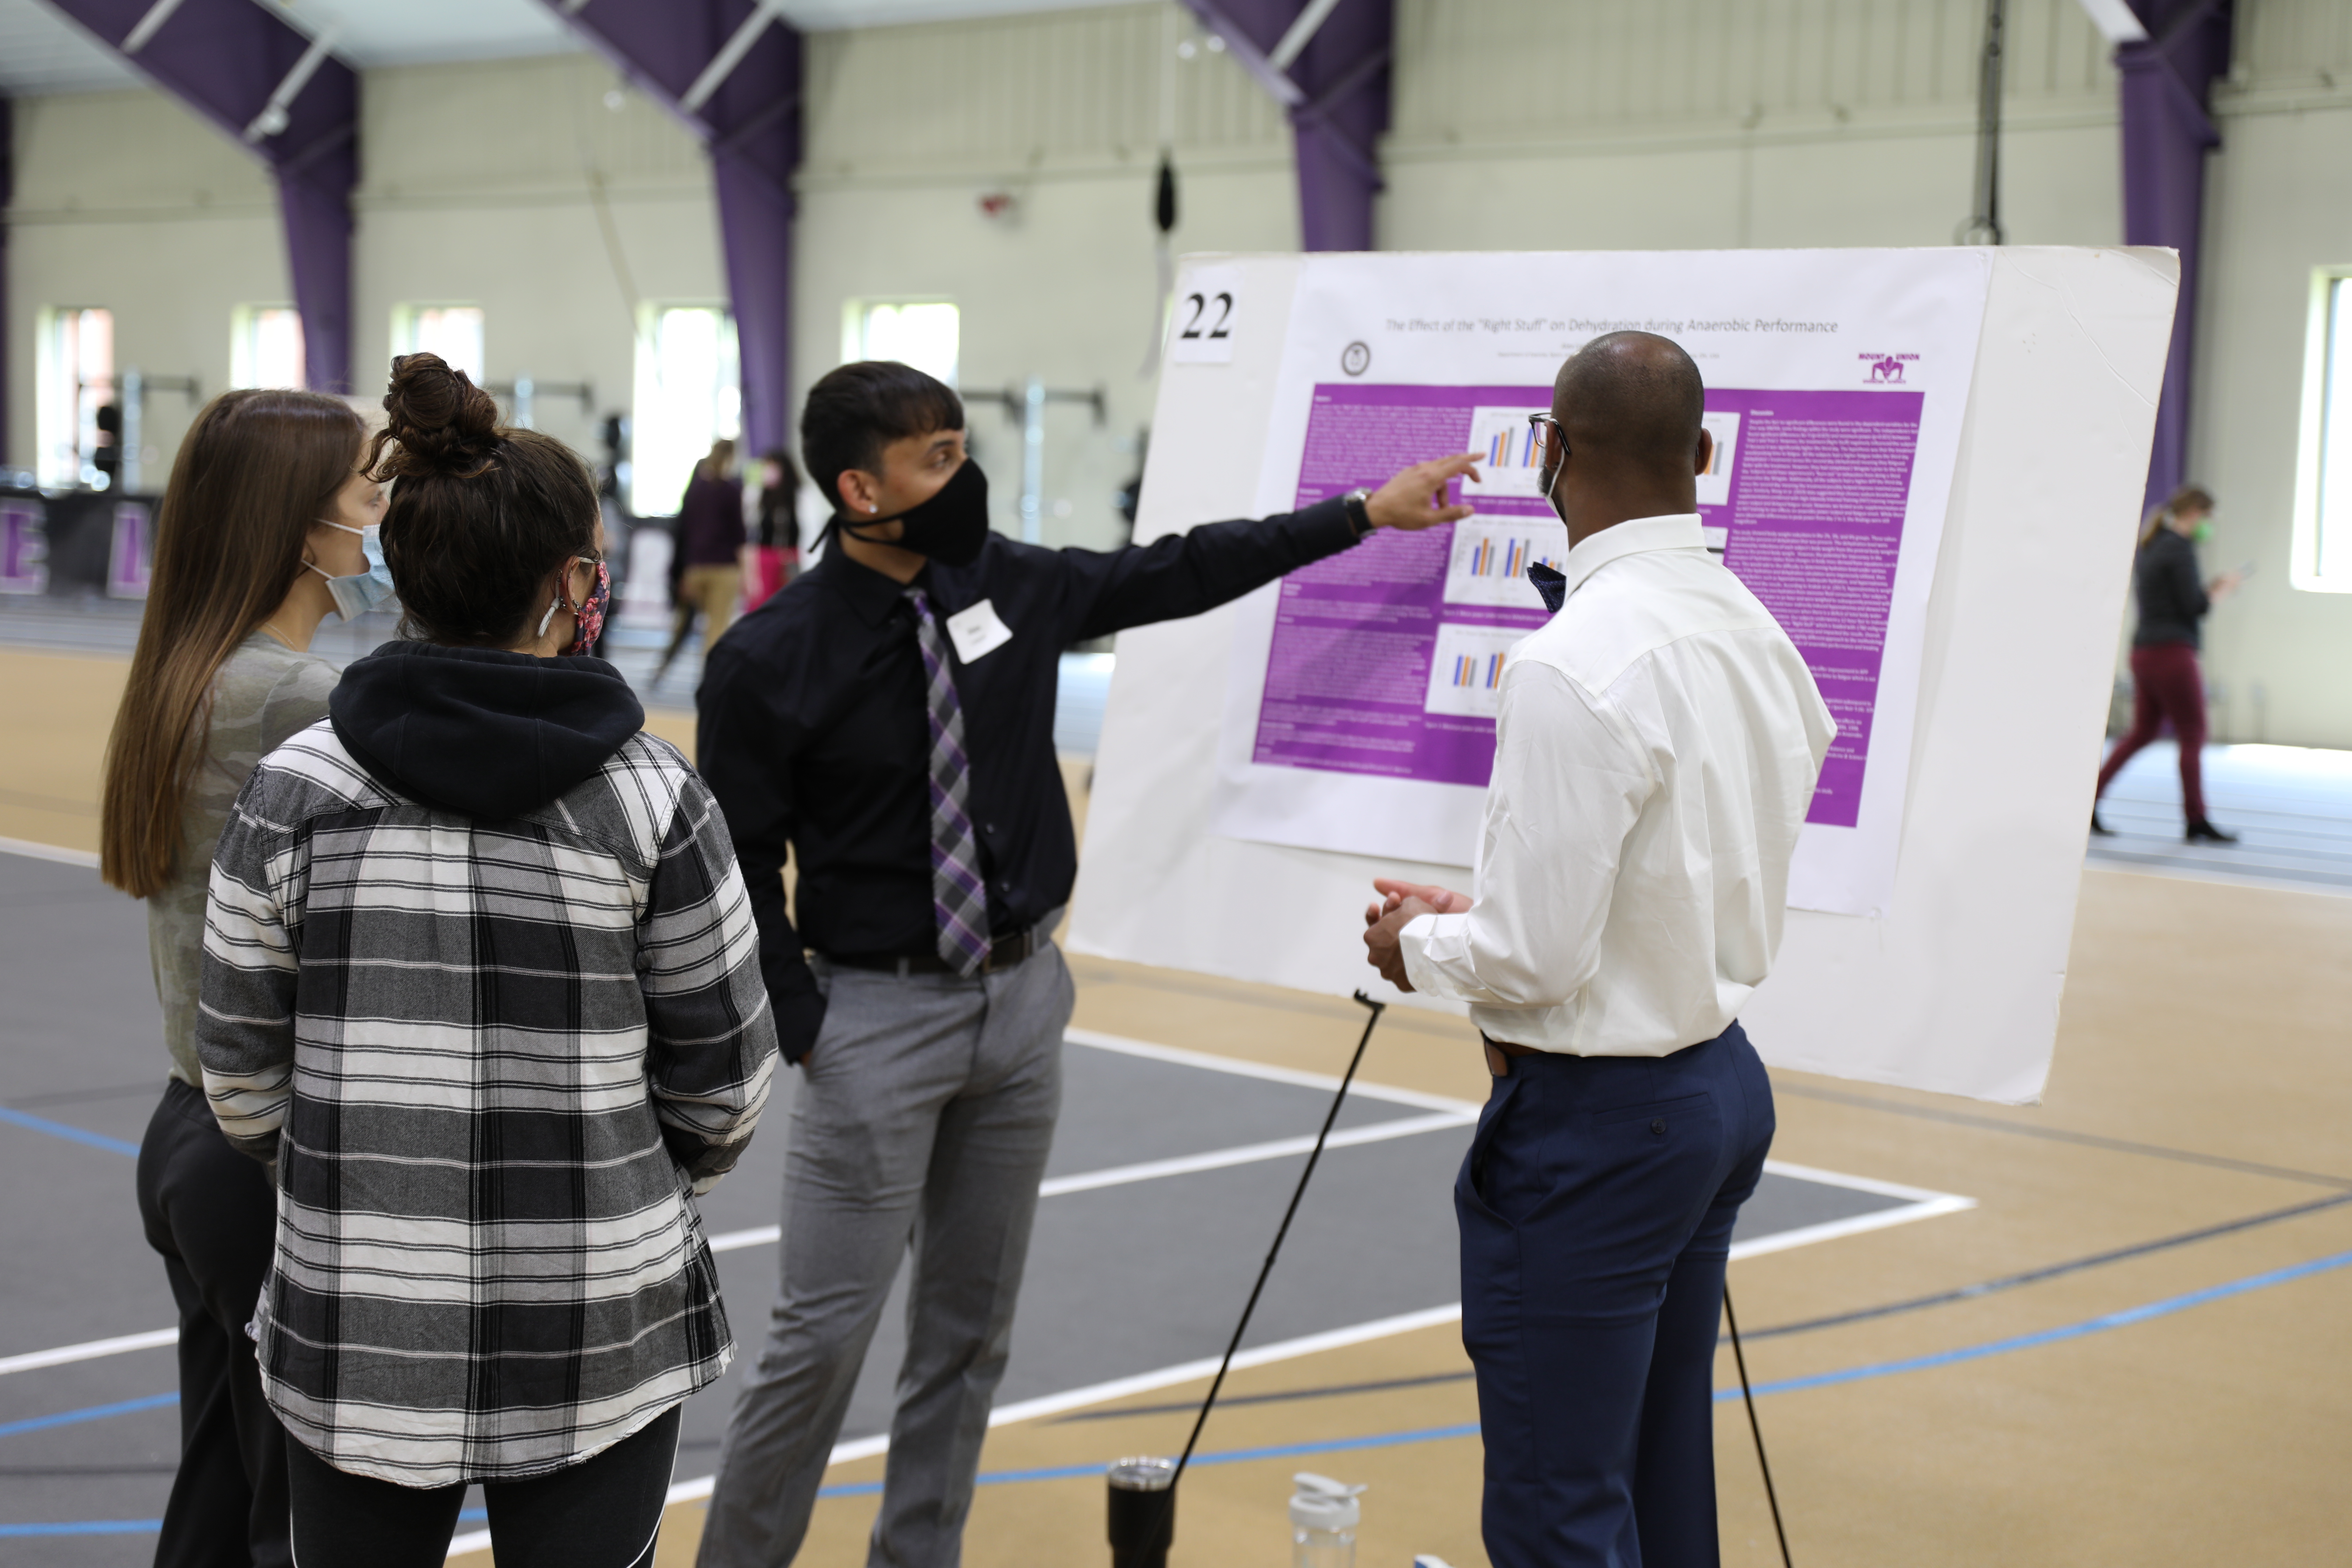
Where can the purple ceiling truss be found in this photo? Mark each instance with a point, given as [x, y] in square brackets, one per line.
[731, 71]
[1336, 90]
[286, 97]
[2168, 129]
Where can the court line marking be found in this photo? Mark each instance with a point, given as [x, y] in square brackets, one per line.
[88, 1350]
[63, 857]
[694, 1490]
[92, 1413]
[1094, 1393]
[1124, 1046]
[63, 1130]
[1924, 1204]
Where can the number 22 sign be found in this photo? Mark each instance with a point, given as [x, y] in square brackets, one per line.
[1207, 308]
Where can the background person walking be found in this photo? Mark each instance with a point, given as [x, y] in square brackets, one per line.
[709, 553]
[2167, 683]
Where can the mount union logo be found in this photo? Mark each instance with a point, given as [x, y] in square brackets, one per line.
[1885, 370]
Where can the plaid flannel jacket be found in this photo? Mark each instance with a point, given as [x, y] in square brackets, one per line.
[490, 1059]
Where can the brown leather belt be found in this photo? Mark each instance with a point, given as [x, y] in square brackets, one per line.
[1005, 951]
[1500, 1052]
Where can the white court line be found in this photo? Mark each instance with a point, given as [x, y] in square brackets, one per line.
[700, 1488]
[1240, 1069]
[1181, 1165]
[88, 1350]
[33, 851]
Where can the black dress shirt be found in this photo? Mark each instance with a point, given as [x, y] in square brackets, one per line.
[815, 733]
[2172, 598]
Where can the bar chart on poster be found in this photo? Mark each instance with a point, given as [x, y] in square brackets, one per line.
[1360, 714]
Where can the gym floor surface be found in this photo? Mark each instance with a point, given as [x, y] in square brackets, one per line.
[2111, 1335]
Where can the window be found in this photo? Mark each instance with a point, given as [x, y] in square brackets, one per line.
[264, 347]
[2323, 499]
[920, 333]
[73, 379]
[453, 331]
[688, 394]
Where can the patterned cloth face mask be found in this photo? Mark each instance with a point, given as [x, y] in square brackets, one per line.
[587, 617]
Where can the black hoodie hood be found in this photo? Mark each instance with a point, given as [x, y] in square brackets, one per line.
[476, 730]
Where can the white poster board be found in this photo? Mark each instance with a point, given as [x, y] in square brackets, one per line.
[2017, 564]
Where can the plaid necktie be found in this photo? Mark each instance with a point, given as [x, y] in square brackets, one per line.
[959, 896]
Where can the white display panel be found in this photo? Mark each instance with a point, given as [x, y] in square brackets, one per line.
[1953, 984]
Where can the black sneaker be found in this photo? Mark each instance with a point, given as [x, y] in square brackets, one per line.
[2203, 832]
[2100, 829]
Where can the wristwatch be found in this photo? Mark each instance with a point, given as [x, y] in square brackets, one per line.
[1360, 512]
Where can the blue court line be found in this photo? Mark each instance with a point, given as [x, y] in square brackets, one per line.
[59, 1130]
[92, 1413]
[86, 1527]
[2129, 1315]
[144, 1526]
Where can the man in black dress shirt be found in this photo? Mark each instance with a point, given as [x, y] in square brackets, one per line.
[889, 718]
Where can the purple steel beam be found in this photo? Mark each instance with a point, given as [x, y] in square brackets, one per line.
[223, 59]
[751, 127]
[1338, 106]
[2166, 133]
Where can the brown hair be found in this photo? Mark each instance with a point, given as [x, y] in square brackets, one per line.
[257, 470]
[722, 458]
[2188, 497]
[481, 514]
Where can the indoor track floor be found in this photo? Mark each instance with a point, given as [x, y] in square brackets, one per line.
[2112, 1335]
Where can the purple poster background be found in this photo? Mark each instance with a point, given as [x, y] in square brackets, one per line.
[1811, 510]
[1354, 633]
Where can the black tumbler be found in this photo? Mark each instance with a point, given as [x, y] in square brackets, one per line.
[1142, 1513]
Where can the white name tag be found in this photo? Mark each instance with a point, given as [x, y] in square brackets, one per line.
[977, 632]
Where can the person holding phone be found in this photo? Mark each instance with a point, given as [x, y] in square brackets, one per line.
[2167, 682]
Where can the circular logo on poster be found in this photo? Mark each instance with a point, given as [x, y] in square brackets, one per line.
[1356, 359]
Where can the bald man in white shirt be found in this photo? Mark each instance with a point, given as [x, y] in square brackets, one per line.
[1656, 750]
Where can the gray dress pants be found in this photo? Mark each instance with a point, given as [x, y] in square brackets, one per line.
[923, 1125]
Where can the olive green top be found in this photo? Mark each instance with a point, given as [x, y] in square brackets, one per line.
[263, 695]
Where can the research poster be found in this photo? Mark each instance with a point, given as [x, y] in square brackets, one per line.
[1360, 715]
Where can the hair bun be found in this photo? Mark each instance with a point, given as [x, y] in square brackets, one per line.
[441, 421]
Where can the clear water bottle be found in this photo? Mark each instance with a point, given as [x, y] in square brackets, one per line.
[1323, 1518]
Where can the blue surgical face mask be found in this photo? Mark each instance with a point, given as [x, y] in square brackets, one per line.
[361, 592]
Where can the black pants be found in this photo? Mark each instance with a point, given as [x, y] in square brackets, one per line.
[602, 1512]
[1597, 1205]
[209, 1211]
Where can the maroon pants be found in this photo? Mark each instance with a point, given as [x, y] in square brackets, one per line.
[2165, 685]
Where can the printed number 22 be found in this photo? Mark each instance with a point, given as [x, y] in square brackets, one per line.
[1201, 304]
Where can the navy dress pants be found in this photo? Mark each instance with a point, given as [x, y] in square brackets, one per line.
[1596, 1206]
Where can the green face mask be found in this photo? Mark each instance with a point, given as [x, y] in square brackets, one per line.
[2201, 532]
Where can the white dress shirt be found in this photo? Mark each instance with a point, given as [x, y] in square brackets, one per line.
[1655, 753]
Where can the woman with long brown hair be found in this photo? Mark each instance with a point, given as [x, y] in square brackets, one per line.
[262, 535]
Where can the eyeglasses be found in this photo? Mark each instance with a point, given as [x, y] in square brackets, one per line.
[1541, 428]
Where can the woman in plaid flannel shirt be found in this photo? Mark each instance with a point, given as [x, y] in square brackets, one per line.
[480, 979]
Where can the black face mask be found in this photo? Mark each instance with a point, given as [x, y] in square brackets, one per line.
[949, 528]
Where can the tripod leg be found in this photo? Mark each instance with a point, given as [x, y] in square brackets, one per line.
[1739, 1359]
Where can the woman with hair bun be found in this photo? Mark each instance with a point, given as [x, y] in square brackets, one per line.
[266, 528]
[482, 980]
